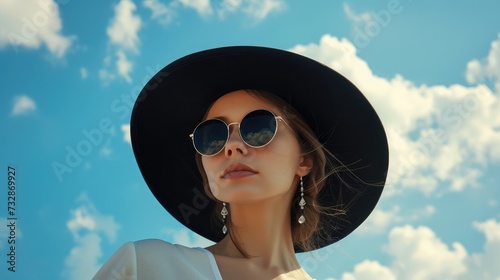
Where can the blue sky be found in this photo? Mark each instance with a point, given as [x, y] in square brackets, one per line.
[70, 68]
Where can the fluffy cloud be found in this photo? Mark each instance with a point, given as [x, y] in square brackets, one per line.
[428, 127]
[417, 253]
[164, 14]
[257, 10]
[87, 227]
[124, 41]
[369, 270]
[260, 9]
[355, 18]
[33, 23]
[23, 105]
[124, 26]
[488, 69]
[124, 66]
[380, 220]
[203, 7]
[485, 265]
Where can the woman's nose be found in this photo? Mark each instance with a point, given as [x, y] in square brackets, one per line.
[235, 144]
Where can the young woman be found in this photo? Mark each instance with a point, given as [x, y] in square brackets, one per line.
[265, 152]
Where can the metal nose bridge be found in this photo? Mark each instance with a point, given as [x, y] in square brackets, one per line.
[229, 131]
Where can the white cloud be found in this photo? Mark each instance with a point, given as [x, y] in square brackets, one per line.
[424, 212]
[486, 69]
[256, 10]
[227, 7]
[380, 220]
[186, 238]
[124, 66]
[23, 105]
[84, 73]
[355, 18]
[124, 26]
[32, 23]
[417, 253]
[368, 25]
[164, 14]
[485, 265]
[124, 40]
[260, 9]
[428, 127]
[87, 227]
[126, 133]
[81, 263]
[203, 7]
[369, 270]
[105, 74]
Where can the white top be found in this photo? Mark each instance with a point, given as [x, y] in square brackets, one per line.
[157, 259]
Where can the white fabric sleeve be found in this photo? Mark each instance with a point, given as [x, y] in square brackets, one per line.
[122, 265]
[157, 259]
[153, 259]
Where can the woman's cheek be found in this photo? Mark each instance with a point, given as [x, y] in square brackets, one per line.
[213, 186]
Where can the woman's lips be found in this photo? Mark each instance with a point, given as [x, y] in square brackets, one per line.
[238, 170]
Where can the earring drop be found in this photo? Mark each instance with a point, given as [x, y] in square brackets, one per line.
[302, 202]
[224, 213]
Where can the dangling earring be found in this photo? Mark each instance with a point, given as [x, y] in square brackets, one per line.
[224, 213]
[302, 202]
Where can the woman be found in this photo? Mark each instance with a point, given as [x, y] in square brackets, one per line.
[265, 152]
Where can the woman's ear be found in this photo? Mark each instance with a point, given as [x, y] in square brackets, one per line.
[305, 165]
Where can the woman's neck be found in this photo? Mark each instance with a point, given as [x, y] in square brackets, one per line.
[263, 232]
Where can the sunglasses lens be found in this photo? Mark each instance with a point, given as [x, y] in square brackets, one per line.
[210, 137]
[258, 128]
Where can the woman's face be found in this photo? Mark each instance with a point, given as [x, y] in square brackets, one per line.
[242, 174]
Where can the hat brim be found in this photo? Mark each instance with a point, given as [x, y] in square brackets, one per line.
[175, 100]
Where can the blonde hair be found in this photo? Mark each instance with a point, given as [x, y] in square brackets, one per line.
[303, 235]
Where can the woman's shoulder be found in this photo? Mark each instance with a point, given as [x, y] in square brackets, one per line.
[177, 261]
[160, 249]
[155, 258]
[158, 244]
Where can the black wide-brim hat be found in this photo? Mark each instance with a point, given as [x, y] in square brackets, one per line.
[175, 100]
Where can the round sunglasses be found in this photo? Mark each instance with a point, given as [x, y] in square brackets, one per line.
[257, 129]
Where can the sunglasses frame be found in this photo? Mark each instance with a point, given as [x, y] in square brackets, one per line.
[276, 118]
